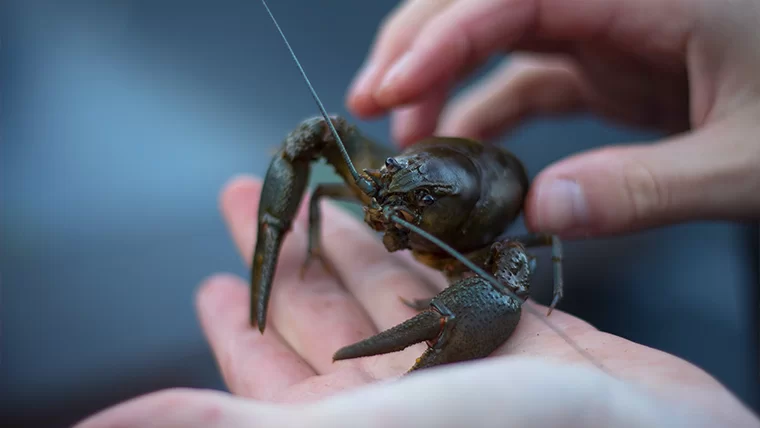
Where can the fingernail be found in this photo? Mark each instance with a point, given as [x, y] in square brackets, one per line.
[562, 205]
[397, 70]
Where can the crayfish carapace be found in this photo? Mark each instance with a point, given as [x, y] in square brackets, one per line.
[448, 200]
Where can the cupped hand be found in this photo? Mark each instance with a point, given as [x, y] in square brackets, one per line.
[689, 67]
[286, 377]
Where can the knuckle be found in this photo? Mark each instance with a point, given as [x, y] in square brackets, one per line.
[645, 191]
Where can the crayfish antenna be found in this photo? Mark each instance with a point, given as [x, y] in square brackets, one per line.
[424, 326]
[365, 185]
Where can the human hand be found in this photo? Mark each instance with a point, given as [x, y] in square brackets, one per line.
[684, 66]
[286, 377]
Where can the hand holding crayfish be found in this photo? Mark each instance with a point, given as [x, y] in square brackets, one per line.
[710, 172]
[685, 67]
[287, 377]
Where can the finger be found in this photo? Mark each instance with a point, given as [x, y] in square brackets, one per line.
[413, 123]
[469, 31]
[709, 174]
[252, 364]
[416, 121]
[395, 36]
[186, 408]
[523, 86]
[509, 392]
[316, 316]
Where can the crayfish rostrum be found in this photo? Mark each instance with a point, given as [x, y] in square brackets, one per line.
[459, 191]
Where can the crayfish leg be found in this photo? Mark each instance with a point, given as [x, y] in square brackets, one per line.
[533, 240]
[338, 192]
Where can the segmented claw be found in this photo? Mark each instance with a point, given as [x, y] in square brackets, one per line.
[284, 184]
[460, 323]
[284, 187]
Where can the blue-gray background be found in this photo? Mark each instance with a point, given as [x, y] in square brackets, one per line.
[121, 120]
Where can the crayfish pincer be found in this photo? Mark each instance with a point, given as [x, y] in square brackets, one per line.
[448, 200]
[467, 320]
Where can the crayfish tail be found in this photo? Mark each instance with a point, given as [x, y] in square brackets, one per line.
[424, 326]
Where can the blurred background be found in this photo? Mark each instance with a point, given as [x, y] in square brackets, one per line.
[122, 120]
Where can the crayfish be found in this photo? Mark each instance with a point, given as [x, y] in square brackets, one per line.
[446, 199]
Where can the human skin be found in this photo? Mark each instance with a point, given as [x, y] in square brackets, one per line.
[286, 377]
[686, 67]
[706, 170]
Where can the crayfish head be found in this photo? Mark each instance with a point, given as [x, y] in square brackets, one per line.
[436, 191]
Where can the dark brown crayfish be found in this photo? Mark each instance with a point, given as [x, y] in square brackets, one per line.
[447, 200]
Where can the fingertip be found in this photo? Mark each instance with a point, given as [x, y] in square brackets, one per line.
[239, 191]
[216, 289]
[360, 100]
[408, 80]
[439, 53]
[217, 297]
[363, 106]
[415, 122]
[557, 204]
[605, 191]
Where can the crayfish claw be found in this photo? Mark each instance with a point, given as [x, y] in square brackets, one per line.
[270, 236]
[416, 304]
[425, 326]
[468, 320]
[284, 185]
[479, 319]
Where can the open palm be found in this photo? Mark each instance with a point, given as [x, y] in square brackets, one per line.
[310, 319]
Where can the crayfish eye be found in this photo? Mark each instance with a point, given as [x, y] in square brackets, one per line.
[424, 197]
[392, 164]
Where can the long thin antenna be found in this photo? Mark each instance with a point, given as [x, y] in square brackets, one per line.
[363, 183]
[498, 285]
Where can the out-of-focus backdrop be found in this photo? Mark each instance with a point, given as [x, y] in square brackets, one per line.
[121, 121]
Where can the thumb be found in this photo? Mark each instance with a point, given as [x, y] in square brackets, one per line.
[709, 174]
